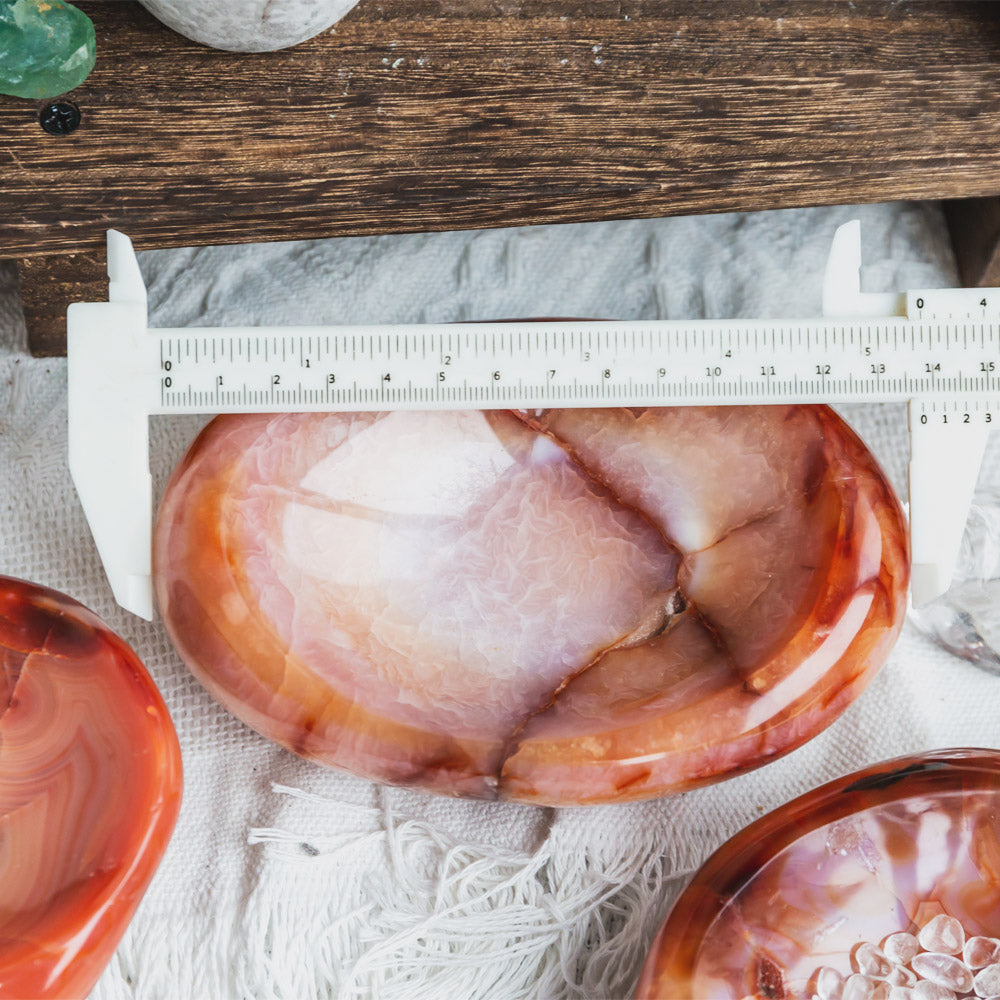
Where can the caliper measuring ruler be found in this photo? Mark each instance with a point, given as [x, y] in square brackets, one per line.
[936, 349]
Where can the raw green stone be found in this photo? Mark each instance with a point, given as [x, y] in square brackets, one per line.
[46, 47]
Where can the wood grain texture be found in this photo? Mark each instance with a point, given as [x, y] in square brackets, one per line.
[974, 227]
[440, 114]
[48, 285]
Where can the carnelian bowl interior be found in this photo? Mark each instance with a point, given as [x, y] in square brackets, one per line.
[561, 606]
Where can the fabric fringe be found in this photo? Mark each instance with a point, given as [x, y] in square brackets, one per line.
[394, 908]
[444, 920]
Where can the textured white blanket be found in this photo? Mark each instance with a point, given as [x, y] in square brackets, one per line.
[284, 880]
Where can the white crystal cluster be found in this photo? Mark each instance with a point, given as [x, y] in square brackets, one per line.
[939, 963]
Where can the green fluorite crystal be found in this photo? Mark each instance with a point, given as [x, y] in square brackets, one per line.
[46, 47]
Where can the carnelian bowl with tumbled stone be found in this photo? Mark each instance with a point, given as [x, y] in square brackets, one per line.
[561, 606]
[881, 885]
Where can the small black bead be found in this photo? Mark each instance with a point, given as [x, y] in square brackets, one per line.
[59, 118]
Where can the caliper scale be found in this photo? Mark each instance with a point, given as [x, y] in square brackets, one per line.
[936, 349]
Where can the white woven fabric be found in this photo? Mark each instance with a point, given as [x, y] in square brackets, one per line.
[288, 881]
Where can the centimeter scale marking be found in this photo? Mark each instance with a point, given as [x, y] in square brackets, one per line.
[578, 364]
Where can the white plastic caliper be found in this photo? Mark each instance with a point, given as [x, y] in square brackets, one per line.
[937, 349]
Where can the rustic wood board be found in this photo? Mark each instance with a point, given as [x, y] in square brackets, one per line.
[974, 227]
[416, 114]
[440, 114]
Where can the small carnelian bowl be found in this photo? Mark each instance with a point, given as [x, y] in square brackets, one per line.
[862, 889]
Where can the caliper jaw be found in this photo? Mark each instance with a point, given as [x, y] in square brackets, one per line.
[110, 354]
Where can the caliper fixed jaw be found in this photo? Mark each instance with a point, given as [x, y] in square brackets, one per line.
[110, 354]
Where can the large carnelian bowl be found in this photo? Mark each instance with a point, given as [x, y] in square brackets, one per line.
[561, 606]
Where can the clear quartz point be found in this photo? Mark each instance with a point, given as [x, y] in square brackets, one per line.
[965, 620]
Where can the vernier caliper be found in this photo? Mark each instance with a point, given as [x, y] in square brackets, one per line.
[937, 349]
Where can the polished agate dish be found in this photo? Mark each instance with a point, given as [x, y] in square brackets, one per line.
[884, 885]
[90, 785]
[555, 607]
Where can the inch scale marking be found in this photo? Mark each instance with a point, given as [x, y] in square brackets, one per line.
[939, 350]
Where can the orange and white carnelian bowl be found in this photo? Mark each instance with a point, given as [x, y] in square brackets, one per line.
[566, 606]
[90, 788]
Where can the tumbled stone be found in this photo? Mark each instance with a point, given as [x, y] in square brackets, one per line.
[980, 951]
[872, 961]
[859, 987]
[942, 934]
[566, 606]
[926, 990]
[945, 970]
[47, 47]
[987, 980]
[827, 984]
[900, 975]
[900, 947]
[90, 784]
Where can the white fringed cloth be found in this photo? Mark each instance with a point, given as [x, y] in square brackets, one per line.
[287, 881]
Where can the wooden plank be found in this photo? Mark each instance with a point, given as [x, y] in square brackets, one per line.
[974, 226]
[49, 285]
[439, 114]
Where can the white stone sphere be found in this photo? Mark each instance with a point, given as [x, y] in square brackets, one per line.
[248, 25]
